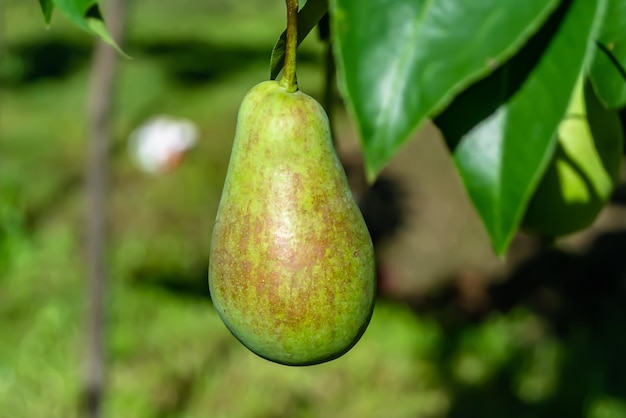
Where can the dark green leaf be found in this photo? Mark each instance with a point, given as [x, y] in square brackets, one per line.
[607, 71]
[46, 8]
[77, 10]
[400, 62]
[86, 14]
[502, 129]
[308, 16]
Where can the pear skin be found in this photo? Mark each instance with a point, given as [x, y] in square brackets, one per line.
[583, 171]
[292, 271]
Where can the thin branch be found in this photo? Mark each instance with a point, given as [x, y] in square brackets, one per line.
[99, 104]
[289, 76]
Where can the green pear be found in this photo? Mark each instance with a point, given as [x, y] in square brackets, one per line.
[583, 171]
[291, 271]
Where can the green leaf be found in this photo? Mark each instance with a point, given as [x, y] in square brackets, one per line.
[308, 16]
[502, 129]
[402, 61]
[46, 8]
[77, 10]
[86, 14]
[607, 71]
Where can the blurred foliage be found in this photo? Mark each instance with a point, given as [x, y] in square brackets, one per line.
[169, 353]
[13, 235]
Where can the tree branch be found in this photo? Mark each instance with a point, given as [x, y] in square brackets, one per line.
[99, 103]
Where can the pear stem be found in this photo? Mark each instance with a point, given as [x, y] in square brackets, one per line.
[289, 80]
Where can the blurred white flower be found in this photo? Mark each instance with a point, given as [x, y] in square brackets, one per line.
[160, 144]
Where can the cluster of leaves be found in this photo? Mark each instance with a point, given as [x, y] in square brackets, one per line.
[496, 78]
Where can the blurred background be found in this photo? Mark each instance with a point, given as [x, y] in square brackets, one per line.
[455, 333]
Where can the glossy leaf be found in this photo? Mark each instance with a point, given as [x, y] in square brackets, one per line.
[399, 64]
[47, 6]
[308, 16]
[608, 73]
[502, 129]
[86, 14]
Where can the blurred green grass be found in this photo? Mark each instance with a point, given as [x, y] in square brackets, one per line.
[169, 355]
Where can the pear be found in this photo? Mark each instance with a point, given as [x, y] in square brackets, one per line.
[291, 269]
[583, 171]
